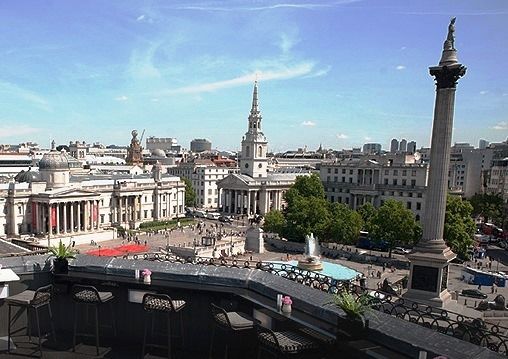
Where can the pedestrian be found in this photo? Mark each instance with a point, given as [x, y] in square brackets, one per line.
[493, 289]
[479, 287]
[384, 267]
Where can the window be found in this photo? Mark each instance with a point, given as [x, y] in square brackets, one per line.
[350, 179]
[347, 200]
[404, 172]
[102, 218]
[343, 171]
[247, 151]
[386, 180]
[329, 170]
[350, 172]
[209, 200]
[413, 183]
[146, 213]
[418, 206]
[419, 195]
[395, 172]
[336, 171]
[164, 213]
[408, 205]
[335, 179]
[387, 172]
[209, 191]
[327, 178]
[260, 151]
[332, 199]
[394, 181]
[343, 179]
[404, 182]
[413, 173]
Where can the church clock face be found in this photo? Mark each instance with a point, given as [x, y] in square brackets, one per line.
[246, 165]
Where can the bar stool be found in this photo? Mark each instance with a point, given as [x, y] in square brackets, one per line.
[161, 303]
[288, 343]
[231, 322]
[34, 300]
[89, 296]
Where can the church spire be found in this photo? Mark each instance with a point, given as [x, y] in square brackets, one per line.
[255, 114]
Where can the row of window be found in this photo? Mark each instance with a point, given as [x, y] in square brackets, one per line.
[395, 172]
[409, 205]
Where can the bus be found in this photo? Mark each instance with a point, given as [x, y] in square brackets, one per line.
[366, 242]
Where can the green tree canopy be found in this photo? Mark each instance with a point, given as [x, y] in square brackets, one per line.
[394, 224]
[459, 225]
[274, 222]
[489, 206]
[344, 224]
[190, 194]
[308, 212]
[367, 212]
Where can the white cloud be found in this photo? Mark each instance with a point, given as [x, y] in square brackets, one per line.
[484, 92]
[367, 138]
[155, 99]
[279, 74]
[403, 48]
[501, 126]
[287, 42]
[400, 67]
[306, 6]
[140, 18]
[319, 73]
[308, 123]
[121, 98]
[10, 89]
[341, 136]
[18, 130]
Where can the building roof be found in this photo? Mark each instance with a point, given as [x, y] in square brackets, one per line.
[9, 248]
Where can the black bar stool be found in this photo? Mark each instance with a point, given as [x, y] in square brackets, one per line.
[34, 300]
[89, 296]
[231, 322]
[161, 303]
[288, 343]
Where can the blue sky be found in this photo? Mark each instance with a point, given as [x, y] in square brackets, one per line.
[340, 73]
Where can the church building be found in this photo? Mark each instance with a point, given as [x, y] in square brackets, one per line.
[255, 190]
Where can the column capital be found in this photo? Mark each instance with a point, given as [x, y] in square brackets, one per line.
[447, 76]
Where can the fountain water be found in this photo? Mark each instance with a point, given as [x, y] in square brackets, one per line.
[311, 260]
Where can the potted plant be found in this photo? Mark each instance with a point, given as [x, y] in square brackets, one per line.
[61, 254]
[355, 309]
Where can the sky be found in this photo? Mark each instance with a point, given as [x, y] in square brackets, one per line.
[337, 73]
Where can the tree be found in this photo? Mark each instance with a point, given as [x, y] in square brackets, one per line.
[306, 215]
[274, 222]
[190, 194]
[489, 206]
[367, 212]
[459, 225]
[344, 224]
[394, 224]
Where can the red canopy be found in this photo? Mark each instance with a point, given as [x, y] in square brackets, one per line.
[118, 251]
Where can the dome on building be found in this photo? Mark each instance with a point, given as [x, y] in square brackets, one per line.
[27, 176]
[158, 153]
[54, 160]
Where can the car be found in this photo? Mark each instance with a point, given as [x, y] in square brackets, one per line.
[225, 219]
[473, 293]
[213, 215]
[400, 250]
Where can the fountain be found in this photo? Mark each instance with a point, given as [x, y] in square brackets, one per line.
[311, 261]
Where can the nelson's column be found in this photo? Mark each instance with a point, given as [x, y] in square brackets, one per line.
[428, 279]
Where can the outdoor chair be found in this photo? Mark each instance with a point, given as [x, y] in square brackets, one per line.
[231, 322]
[287, 344]
[154, 304]
[87, 295]
[31, 301]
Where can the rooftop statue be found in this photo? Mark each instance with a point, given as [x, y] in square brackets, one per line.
[450, 39]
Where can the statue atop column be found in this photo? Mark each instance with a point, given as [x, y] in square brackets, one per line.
[134, 151]
[449, 44]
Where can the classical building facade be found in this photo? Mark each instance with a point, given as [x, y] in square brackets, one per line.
[254, 190]
[204, 175]
[56, 202]
[356, 182]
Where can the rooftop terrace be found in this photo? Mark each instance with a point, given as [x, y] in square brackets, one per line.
[251, 288]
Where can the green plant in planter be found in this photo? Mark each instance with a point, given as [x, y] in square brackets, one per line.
[354, 307]
[61, 253]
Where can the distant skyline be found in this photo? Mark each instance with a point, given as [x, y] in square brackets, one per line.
[337, 73]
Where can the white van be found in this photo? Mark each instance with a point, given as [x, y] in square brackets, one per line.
[213, 215]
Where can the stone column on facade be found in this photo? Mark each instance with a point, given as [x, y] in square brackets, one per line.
[78, 215]
[428, 279]
[86, 215]
[57, 218]
[64, 217]
[120, 210]
[249, 202]
[71, 217]
[50, 220]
